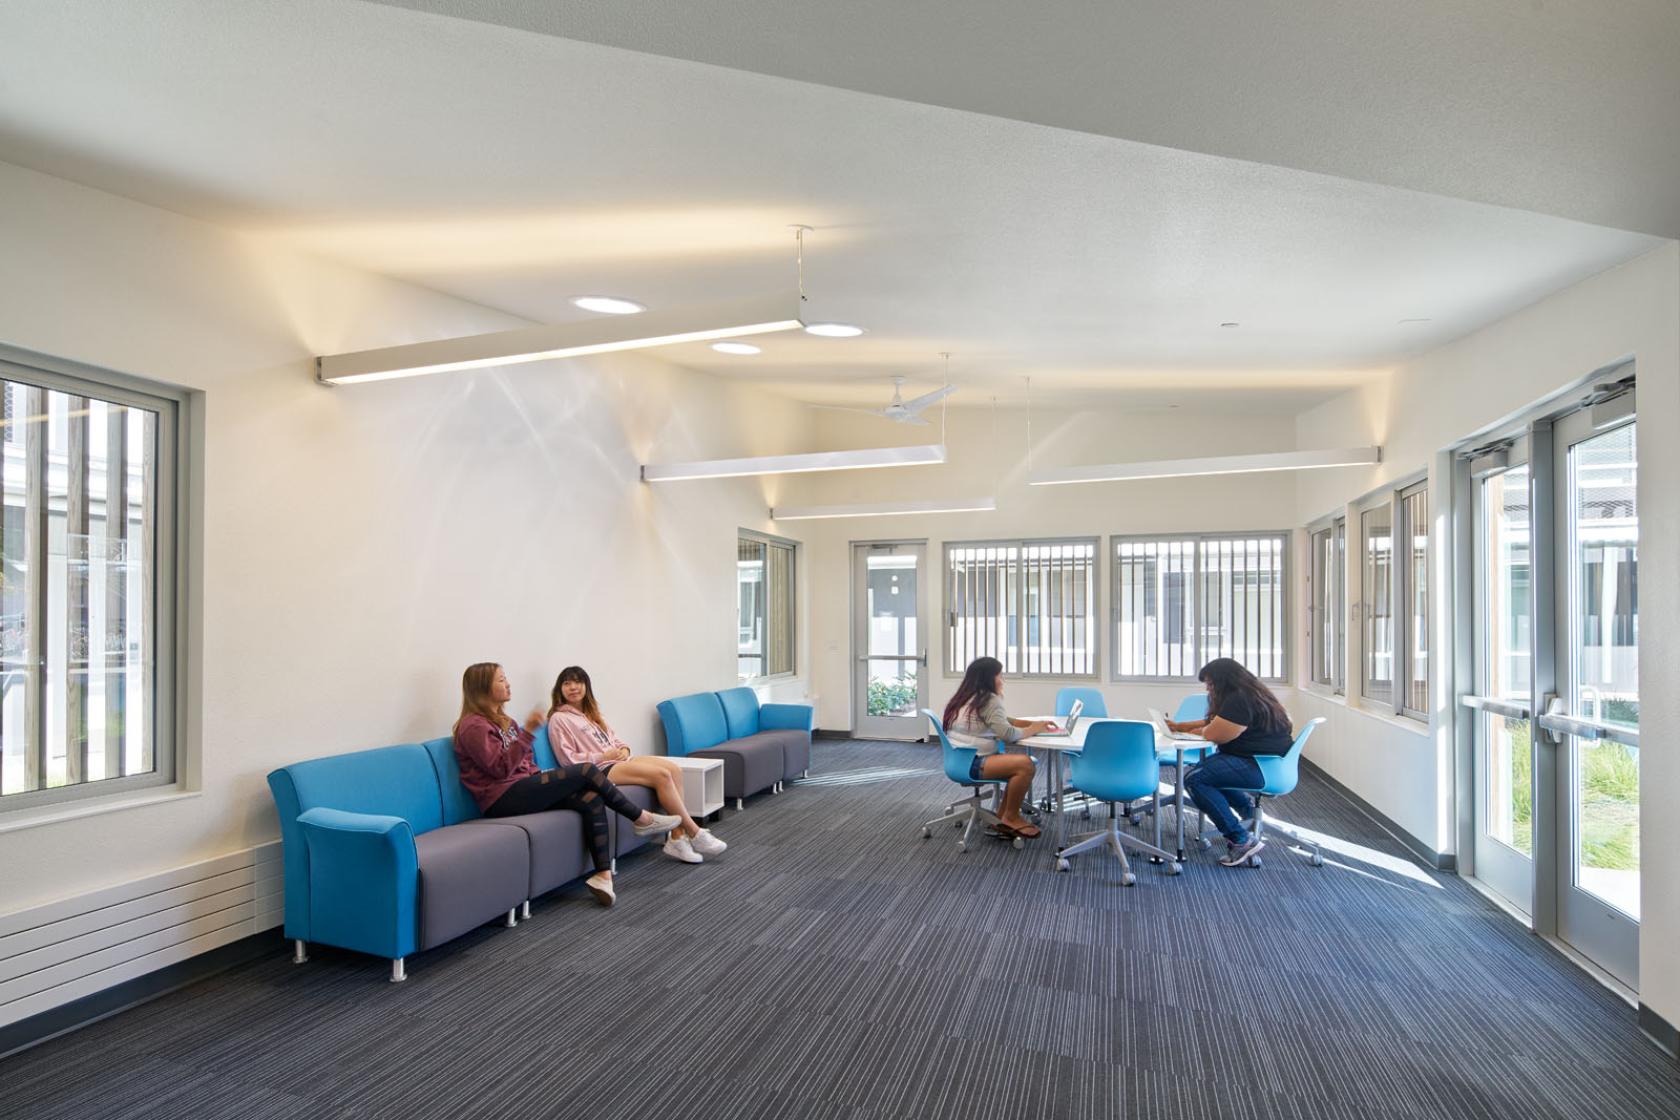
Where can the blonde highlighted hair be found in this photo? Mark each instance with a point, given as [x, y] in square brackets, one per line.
[476, 684]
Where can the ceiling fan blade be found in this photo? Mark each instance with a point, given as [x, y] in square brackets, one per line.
[847, 408]
[911, 418]
[934, 397]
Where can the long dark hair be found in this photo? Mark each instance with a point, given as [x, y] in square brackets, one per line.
[475, 695]
[979, 684]
[588, 706]
[1226, 677]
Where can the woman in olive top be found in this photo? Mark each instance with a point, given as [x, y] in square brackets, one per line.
[975, 719]
[578, 732]
[1245, 720]
[499, 771]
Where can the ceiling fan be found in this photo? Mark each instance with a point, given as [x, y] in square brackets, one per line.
[900, 410]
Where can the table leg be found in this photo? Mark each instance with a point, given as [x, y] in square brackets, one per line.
[1178, 802]
[1055, 795]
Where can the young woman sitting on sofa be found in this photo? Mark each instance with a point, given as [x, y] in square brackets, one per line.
[499, 770]
[579, 733]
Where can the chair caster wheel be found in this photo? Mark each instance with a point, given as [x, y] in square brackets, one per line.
[1128, 880]
[956, 824]
[1254, 861]
[961, 847]
[1316, 860]
[1061, 864]
[1135, 819]
[1174, 867]
[1017, 843]
[1203, 843]
[926, 832]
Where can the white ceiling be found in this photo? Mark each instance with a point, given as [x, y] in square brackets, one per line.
[518, 169]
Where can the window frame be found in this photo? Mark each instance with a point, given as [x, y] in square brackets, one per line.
[1402, 578]
[1194, 584]
[770, 540]
[177, 428]
[1327, 614]
[948, 615]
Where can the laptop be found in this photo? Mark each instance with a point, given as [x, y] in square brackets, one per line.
[1072, 723]
[1159, 719]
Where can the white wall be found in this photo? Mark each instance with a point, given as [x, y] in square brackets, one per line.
[362, 545]
[1439, 399]
[983, 463]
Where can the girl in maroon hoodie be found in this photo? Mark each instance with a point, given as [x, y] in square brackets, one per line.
[500, 771]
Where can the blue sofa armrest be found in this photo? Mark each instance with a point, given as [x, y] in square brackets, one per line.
[786, 717]
[364, 878]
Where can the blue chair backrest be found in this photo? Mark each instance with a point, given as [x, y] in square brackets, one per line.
[693, 723]
[1191, 708]
[458, 804]
[958, 760]
[1094, 706]
[542, 751]
[740, 711]
[1118, 761]
[1282, 771]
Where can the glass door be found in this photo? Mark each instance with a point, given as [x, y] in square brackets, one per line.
[1594, 718]
[1502, 751]
[890, 685]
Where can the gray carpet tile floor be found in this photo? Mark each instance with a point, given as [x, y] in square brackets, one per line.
[833, 965]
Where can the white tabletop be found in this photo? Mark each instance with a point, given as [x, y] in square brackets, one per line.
[1074, 742]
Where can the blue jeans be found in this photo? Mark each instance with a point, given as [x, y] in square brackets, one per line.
[1209, 785]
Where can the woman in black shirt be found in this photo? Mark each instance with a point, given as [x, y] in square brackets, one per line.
[1244, 720]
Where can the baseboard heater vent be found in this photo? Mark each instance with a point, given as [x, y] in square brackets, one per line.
[55, 954]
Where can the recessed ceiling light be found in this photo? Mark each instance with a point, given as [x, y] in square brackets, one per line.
[833, 330]
[1230, 324]
[735, 348]
[608, 305]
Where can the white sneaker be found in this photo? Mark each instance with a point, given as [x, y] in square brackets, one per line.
[678, 848]
[600, 885]
[707, 844]
[659, 823]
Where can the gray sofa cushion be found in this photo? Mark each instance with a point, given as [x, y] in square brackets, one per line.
[469, 874]
[555, 838]
[796, 751]
[750, 764]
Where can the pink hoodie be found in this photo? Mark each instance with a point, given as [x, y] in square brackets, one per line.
[575, 738]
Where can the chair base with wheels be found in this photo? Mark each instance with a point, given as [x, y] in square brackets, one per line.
[1258, 824]
[1117, 842]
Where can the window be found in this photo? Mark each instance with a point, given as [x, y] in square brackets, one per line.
[1395, 590]
[1030, 604]
[1327, 615]
[1179, 602]
[87, 587]
[764, 595]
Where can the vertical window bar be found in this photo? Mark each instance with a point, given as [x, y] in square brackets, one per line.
[35, 594]
[116, 589]
[77, 632]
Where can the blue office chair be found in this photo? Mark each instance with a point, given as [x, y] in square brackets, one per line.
[964, 813]
[1117, 765]
[1279, 773]
[1093, 700]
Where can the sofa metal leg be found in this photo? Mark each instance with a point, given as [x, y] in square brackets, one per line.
[740, 804]
[300, 952]
[512, 917]
[398, 973]
[804, 773]
[525, 911]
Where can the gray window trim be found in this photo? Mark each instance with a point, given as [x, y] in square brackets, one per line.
[953, 671]
[176, 424]
[1286, 560]
[796, 547]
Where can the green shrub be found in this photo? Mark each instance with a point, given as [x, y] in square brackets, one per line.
[887, 697]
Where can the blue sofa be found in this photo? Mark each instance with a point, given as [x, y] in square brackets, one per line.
[761, 746]
[386, 853]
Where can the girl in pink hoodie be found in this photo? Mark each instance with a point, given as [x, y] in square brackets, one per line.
[579, 733]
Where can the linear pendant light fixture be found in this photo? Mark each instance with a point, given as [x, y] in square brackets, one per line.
[624, 329]
[883, 509]
[1222, 464]
[860, 459]
[561, 340]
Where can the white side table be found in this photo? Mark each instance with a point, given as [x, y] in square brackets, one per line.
[702, 785]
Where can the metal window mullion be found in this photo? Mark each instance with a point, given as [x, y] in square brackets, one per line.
[78, 641]
[35, 590]
[116, 590]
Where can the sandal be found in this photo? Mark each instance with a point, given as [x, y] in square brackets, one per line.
[1010, 832]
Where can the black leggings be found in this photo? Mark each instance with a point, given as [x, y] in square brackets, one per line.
[582, 786]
